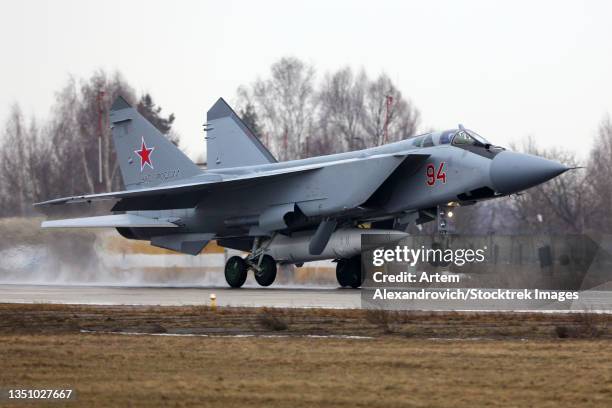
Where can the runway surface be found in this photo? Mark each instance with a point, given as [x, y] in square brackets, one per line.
[280, 296]
[175, 296]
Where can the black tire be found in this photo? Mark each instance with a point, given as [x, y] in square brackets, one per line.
[354, 272]
[235, 271]
[342, 272]
[348, 272]
[267, 274]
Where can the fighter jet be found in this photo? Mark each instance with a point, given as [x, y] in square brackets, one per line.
[295, 211]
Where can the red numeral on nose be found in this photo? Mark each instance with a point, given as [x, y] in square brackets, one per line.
[433, 176]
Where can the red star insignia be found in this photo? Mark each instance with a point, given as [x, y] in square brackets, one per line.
[145, 155]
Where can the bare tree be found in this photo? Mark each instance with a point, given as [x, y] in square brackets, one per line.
[403, 117]
[600, 169]
[24, 164]
[41, 175]
[285, 104]
[14, 163]
[342, 110]
[348, 112]
[353, 111]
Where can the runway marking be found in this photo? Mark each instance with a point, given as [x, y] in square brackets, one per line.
[272, 336]
[469, 339]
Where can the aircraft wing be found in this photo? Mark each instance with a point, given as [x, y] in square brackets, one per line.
[187, 195]
[184, 195]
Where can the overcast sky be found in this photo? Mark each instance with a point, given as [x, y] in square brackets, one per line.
[505, 69]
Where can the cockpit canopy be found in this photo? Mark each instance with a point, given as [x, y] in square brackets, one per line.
[469, 137]
[459, 137]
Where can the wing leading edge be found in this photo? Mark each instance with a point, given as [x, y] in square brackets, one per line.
[111, 221]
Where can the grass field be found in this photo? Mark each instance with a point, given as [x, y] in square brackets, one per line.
[408, 359]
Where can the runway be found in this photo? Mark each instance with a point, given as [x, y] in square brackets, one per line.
[334, 298]
[280, 296]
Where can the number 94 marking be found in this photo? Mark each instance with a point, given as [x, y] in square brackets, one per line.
[433, 176]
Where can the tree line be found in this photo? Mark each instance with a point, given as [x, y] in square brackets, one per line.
[297, 116]
[61, 156]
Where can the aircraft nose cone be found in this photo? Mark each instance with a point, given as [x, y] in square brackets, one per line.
[513, 172]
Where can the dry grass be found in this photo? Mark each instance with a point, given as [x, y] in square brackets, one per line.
[56, 319]
[384, 319]
[271, 321]
[588, 326]
[152, 371]
[475, 359]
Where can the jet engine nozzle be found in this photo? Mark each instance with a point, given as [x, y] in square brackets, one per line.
[513, 172]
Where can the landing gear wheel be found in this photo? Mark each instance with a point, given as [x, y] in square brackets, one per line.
[348, 272]
[342, 272]
[235, 271]
[354, 272]
[267, 273]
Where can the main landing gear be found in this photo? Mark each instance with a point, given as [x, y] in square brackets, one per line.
[262, 265]
[348, 272]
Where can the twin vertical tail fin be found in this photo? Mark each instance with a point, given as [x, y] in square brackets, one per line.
[230, 142]
[146, 157]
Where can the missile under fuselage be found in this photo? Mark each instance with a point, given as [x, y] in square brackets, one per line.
[343, 243]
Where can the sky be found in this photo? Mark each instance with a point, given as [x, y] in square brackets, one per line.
[506, 69]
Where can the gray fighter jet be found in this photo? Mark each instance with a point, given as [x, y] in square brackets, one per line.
[296, 211]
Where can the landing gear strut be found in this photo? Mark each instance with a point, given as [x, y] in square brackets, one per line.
[348, 272]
